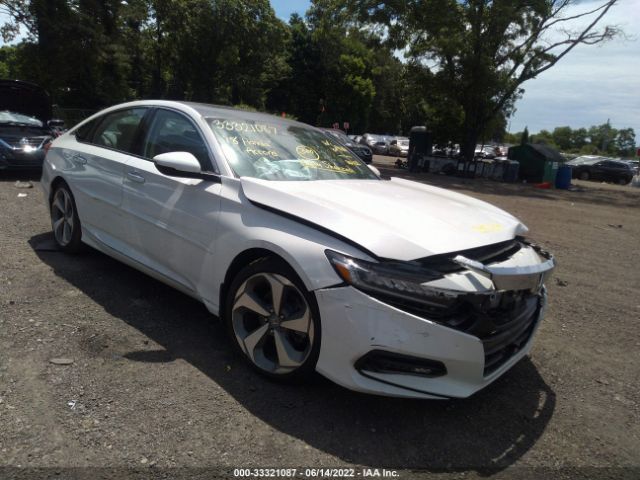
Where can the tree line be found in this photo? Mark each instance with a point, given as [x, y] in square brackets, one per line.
[596, 140]
[456, 66]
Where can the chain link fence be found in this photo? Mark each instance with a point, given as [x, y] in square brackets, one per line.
[71, 116]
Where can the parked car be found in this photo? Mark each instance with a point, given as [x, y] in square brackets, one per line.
[489, 151]
[379, 144]
[585, 159]
[422, 293]
[399, 146]
[603, 169]
[381, 147]
[369, 139]
[26, 127]
[362, 151]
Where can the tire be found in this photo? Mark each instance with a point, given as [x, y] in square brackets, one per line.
[65, 223]
[623, 180]
[281, 343]
[584, 175]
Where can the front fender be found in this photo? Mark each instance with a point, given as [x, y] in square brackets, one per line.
[244, 226]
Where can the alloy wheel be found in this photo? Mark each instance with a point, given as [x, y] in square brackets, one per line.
[272, 323]
[62, 217]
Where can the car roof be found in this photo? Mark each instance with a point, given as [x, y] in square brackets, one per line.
[207, 110]
[228, 112]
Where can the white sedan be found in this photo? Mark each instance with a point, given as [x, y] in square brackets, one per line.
[310, 258]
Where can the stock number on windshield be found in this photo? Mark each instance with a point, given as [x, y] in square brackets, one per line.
[244, 127]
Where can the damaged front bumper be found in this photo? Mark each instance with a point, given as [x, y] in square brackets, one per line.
[399, 347]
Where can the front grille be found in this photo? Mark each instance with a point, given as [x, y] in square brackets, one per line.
[504, 328]
[504, 333]
[29, 141]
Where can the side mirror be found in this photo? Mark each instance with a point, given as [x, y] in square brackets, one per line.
[177, 163]
[374, 169]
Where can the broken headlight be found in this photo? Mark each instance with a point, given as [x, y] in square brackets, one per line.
[401, 280]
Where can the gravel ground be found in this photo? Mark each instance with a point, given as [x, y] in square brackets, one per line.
[154, 389]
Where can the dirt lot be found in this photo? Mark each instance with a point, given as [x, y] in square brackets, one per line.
[155, 390]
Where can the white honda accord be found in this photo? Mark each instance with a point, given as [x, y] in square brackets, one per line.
[312, 260]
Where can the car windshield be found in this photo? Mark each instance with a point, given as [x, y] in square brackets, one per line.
[585, 160]
[342, 138]
[13, 118]
[279, 151]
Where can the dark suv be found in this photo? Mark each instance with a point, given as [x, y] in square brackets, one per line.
[26, 127]
[604, 169]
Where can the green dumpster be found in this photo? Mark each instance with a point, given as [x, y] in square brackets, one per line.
[538, 162]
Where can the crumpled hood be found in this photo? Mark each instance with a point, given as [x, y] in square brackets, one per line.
[396, 219]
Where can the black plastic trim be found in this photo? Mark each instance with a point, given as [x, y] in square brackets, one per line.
[172, 172]
[386, 382]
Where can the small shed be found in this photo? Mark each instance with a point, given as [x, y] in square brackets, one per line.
[538, 162]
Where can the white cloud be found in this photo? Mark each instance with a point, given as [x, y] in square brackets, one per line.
[591, 84]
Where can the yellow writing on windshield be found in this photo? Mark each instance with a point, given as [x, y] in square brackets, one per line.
[255, 143]
[324, 165]
[307, 153]
[262, 153]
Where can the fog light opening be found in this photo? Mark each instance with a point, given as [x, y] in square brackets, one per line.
[380, 361]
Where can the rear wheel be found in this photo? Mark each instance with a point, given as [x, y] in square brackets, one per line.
[623, 180]
[273, 320]
[64, 220]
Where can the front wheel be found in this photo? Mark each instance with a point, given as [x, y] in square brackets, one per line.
[623, 180]
[273, 320]
[64, 220]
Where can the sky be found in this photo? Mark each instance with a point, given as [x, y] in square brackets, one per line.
[589, 86]
[284, 8]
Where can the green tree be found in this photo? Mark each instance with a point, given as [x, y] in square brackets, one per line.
[337, 73]
[299, 92]
[544, 137]
[603, 137]
[626, 142]
[562, 137]
[579, 138]
[524, 139]
[483, 50]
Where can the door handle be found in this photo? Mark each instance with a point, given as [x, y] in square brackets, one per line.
[135, 177]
